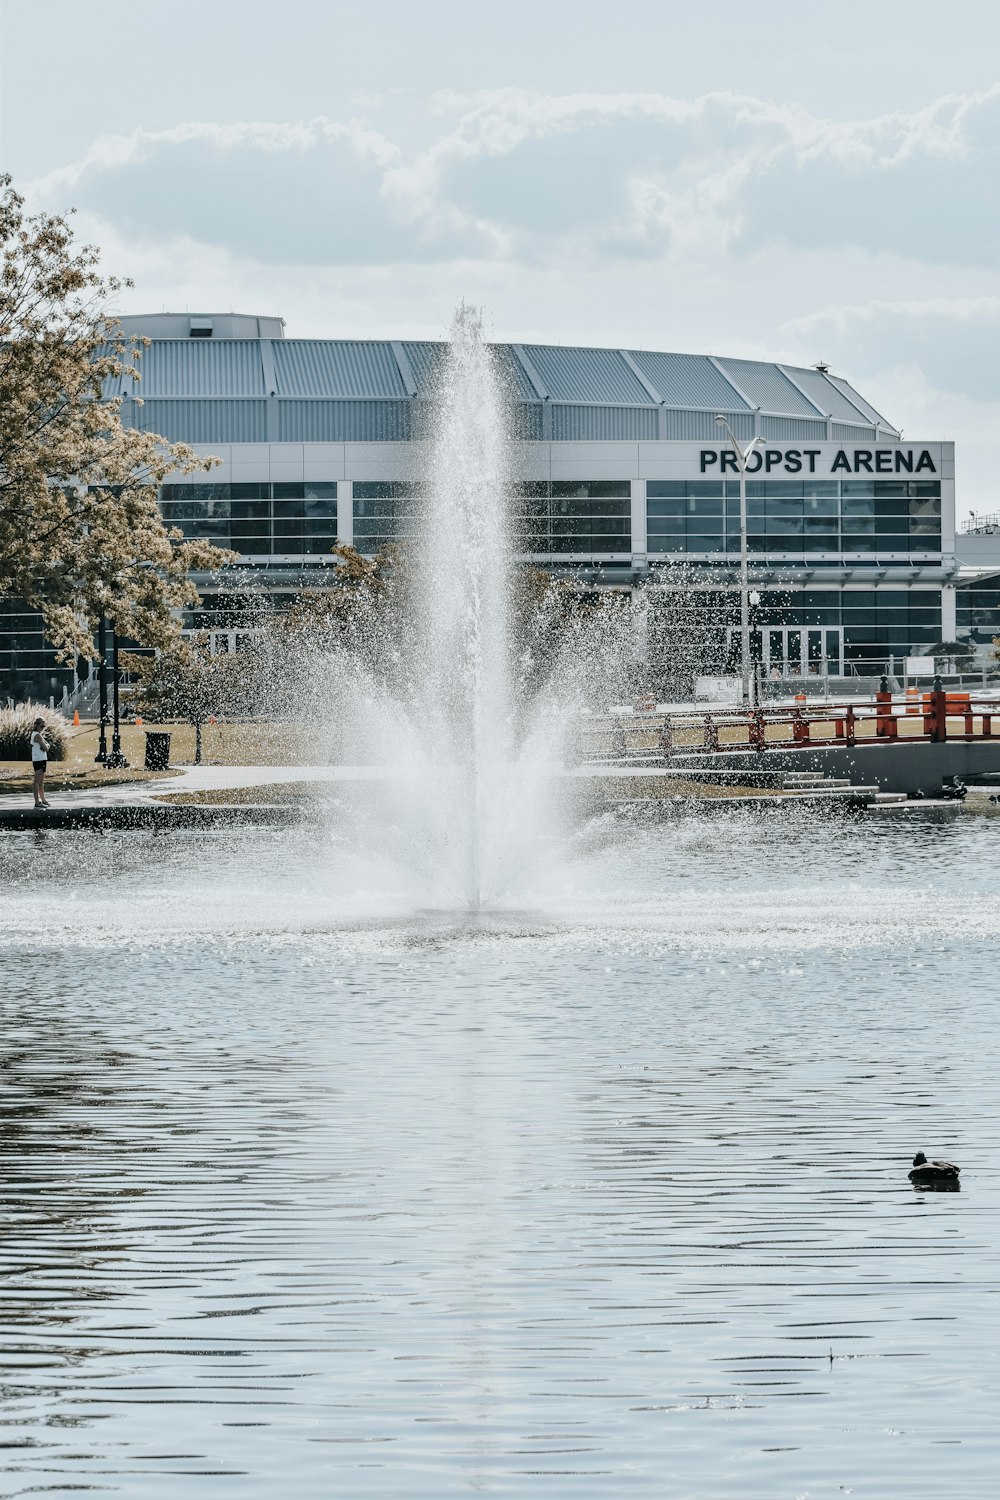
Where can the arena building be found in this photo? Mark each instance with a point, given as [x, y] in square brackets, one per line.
[623, 482]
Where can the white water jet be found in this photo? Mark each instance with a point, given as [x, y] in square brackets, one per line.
[461, 608]
[463, 812]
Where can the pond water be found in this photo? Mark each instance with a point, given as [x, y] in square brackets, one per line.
[307, 1193]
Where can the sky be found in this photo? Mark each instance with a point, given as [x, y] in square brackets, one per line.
[769, 181]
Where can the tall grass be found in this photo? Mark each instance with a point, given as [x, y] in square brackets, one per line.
[16, 725]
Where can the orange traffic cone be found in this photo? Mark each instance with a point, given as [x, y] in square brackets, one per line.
[76, 718]
[138, 719]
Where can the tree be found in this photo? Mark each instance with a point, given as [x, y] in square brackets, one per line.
[186, 682]
[957, 652]
[80, 531]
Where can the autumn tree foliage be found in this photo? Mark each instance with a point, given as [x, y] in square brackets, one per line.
[80, 531]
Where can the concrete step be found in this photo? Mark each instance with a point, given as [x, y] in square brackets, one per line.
[888, 799]
[816, 786]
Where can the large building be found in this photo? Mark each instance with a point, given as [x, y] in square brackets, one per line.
[624, 474]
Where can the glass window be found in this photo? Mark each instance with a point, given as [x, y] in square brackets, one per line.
[821, 505]
[784, 505]
[593, 489]
[201, 511]
[591, 515]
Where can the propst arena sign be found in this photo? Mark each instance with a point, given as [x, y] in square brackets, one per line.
[817, 461]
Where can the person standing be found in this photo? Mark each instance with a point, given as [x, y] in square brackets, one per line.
[39, 761]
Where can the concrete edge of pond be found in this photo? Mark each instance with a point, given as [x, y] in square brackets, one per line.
[146, 815]
[659, 808]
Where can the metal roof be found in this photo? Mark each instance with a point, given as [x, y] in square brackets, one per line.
[201, 367]
[688, 380]
[334, 367]
[599, 375]
[768, 388]
[828, 397]
[680, 393]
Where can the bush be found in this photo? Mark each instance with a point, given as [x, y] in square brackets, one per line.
[16, 725]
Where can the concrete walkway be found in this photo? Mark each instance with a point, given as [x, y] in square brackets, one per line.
[193, 779]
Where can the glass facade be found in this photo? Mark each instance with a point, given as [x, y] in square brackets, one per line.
[874, 621]
[28, 665]
[870, 624]
[587, 515]
[383, 509]
[849, 516]
[256, 520]
[977, 611]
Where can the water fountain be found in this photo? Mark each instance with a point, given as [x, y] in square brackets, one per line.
[463, 806]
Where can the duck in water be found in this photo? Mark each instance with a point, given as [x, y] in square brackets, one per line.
[933, 1174]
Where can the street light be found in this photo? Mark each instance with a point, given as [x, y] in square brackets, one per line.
[116, 760]
[756, 641]
[742, 454]
[102, 652]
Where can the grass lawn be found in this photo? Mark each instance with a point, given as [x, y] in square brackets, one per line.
[274, 794]
[221, 744]
[638, 788]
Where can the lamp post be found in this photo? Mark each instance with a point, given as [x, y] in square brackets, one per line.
[116, 759]
[742, 454]
[102, 677]
[755, 655]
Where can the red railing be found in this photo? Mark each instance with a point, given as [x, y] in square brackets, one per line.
[934, 717]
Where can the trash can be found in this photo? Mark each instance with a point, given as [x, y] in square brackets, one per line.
[157, 750]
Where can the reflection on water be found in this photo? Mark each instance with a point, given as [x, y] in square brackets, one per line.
[308, 1193]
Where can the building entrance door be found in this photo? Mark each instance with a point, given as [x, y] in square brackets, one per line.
[793, 650]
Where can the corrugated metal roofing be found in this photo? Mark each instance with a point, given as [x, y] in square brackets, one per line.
[825, 394]
[425, 360]
[792, 429]
[768, 388]
[603, 423]
[345, 421]
[688, 380]
[513, 372]
[587, 375]
[200, 421]
[866, 407]
[699, 426]
[336, 367]
[202, 367]
[843, 432]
